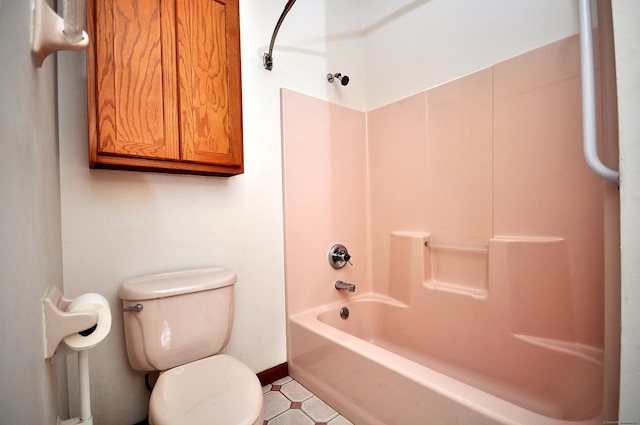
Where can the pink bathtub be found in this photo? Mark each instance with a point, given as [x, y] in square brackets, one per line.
[383, 366]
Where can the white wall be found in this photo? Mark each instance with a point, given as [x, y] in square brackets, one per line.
[316, 38]
[30, 257]
[413, 45]
[626, 19]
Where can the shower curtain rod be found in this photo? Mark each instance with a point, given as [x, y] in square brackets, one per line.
[267, 58]
[589, 130]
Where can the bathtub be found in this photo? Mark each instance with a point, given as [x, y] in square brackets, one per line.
[383, 365]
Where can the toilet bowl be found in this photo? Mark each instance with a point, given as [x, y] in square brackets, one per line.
[188, 394]
[177, 323]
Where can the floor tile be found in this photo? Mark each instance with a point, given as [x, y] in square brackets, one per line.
[287, 402]
[274, 404]
[340, 420]
[282, 381]
[295, 392]
[292, 417]
[318, 410]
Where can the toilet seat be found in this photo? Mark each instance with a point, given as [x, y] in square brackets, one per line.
[214, 390]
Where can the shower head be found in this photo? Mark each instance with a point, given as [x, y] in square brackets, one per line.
[344, 79]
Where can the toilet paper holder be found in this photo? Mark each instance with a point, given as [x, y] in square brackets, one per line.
[58, 323]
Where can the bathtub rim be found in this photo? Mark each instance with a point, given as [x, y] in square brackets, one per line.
[473, 398]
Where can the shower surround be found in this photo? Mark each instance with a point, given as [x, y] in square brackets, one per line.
[476, 235]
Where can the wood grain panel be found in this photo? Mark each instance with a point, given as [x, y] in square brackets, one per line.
[138, 73]
[204, 77]
[133, 68]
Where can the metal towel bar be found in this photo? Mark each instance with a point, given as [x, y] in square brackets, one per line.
[589, 130]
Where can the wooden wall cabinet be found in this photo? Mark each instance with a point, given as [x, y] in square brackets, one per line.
[164, 86]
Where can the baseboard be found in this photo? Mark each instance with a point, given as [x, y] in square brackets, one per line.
[270, 375]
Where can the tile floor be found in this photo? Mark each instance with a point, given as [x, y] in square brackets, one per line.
[286, 402]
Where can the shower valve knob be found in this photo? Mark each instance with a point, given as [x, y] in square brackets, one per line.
[339, 256]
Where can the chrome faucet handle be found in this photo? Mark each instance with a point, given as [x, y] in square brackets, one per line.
[339, 256]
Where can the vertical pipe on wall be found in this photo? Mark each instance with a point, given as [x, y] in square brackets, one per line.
[590, 140]
[85, 387]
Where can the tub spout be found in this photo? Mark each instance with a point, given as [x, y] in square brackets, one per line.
[340, 285]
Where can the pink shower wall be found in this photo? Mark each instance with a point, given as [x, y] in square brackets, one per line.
[460, 136]
[399, 177]
[504, 176]
[487, 169]
[542, 185]
[325, 201]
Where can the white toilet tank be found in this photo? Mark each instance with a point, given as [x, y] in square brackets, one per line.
[185, 316]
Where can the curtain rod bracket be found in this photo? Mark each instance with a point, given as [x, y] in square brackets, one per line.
[267, 61]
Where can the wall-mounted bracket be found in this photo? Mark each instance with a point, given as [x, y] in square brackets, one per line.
[58, 324]
[48, 33]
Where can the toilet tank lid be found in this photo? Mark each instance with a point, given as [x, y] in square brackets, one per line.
[175, 283]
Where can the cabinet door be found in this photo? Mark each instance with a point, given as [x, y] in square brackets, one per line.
[135, 80]
[208, 51]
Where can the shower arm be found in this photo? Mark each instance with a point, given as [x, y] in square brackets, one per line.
[267, 58]
[589, 130]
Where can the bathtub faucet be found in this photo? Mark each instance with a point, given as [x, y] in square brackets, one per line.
[340, 285]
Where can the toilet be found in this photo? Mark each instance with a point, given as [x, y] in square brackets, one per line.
[177, 323]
